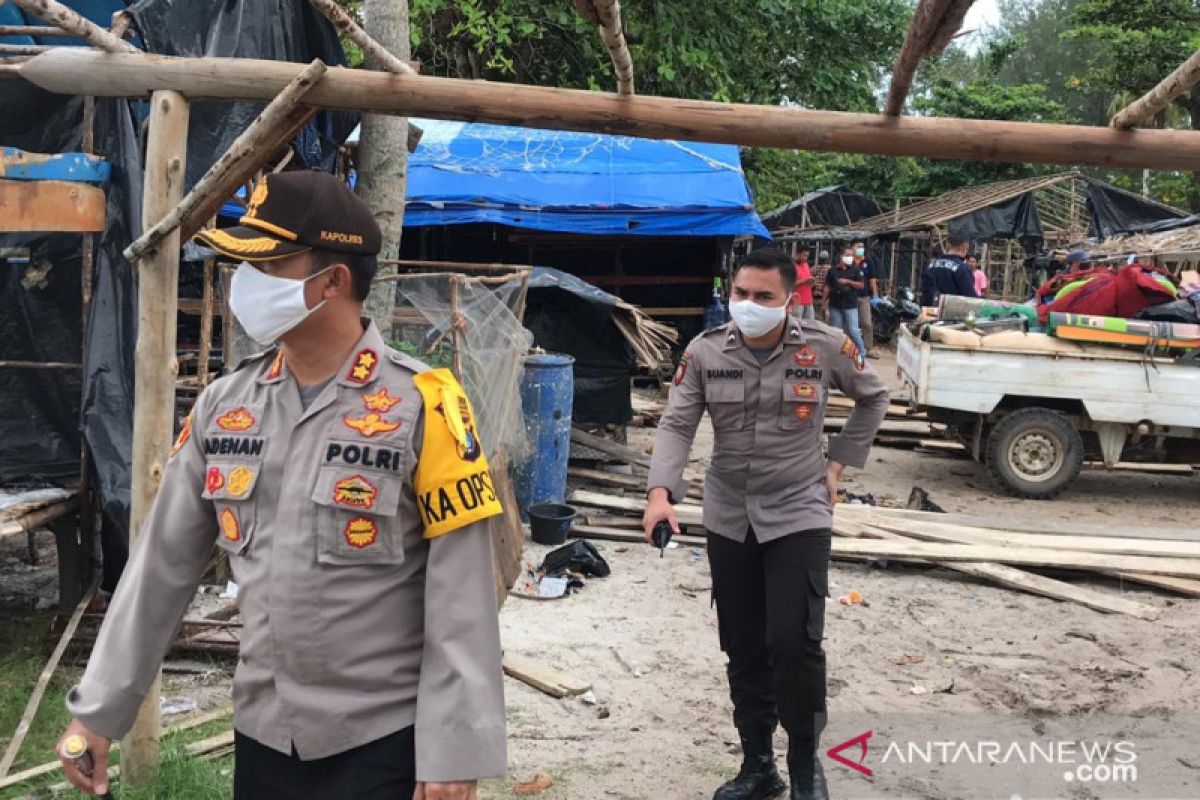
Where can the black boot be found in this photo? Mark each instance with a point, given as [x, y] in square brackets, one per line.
[758, 778]
[805, 772]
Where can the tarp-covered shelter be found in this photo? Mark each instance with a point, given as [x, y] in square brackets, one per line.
[43, 412]
[831, 207]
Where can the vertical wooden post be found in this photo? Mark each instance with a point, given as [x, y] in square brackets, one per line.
[206, 324]
[156, 367]
[86, 546]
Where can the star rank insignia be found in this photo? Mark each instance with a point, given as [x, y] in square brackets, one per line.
[363, 367]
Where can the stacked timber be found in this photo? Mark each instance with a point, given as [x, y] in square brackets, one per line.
[1042, 559]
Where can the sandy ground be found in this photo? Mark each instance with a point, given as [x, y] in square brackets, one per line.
[933, 657]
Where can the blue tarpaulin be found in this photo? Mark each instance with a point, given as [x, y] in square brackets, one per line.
[575, 183]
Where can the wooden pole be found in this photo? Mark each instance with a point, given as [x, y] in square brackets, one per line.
[249, 150]
[33, 30]
[156, 368]
[57, 14]
[352, 31]
[206, 323]
[1146, 107]
[606, 15]
[925, 36]
[72, 70]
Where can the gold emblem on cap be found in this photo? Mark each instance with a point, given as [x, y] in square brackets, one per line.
[257, 198]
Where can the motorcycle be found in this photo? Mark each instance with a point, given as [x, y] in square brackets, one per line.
[887, 313]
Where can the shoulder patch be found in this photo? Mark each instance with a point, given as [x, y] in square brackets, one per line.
[453, 483]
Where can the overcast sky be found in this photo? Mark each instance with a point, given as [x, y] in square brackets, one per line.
[984, 12]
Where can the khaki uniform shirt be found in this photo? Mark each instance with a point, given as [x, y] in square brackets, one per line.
[356, 534]
[768, 468]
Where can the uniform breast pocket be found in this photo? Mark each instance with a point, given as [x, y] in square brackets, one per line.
[230, 485]
[726, 402]
[801, 405]
[357, 514]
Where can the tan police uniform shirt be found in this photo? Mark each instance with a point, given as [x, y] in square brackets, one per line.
[768, 468]
[357, 534]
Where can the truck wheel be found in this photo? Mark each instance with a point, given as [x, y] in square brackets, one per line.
[1034, 453]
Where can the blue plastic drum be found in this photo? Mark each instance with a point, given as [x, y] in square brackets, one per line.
[547, 391]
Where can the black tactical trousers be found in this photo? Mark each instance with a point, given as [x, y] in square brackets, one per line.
[384, 769]
[771, 616]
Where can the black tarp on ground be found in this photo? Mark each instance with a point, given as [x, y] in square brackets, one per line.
[271, 29]
[1115, 211]
[567, 315]
[831, 207]
[1013, 219]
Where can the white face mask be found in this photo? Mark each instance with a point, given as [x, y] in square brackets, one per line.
[754, 320]
[266, 305]
[847, 260]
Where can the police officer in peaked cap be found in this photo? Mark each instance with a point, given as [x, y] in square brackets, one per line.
[764, 380]
[344, 481]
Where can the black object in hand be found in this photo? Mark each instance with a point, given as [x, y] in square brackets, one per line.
[660, 537]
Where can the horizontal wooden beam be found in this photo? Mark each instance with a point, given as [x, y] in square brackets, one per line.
[69, 20]
[76, 71]
[33, 30]
[27, 206]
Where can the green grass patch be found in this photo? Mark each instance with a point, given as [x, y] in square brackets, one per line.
[23, 654]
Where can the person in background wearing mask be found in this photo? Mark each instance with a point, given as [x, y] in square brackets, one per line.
[843, 283]
[347, 484]
[981, 281]
[802, 301]
[869, 292]
[768, 506]
[948, 273]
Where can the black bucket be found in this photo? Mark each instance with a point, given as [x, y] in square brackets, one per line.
[549, 523]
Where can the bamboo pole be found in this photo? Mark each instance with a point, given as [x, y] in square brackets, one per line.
[606, 15]
[351, 30]
[933, 24]
[206, 323]
[71, 70]
[57, 14]
[155, 371]
[33, 30]
[1146, 107]
[248, 151]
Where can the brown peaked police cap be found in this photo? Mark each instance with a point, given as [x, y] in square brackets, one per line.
[293, 212]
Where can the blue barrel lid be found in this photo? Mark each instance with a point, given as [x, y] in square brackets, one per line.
[549, 360]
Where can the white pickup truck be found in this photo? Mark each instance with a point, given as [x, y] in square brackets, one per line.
[1033, 407]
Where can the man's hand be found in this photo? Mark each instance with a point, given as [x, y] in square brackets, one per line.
[843, 281]
[833, 471]
[97, 782]
[658, 508]
[459, 790]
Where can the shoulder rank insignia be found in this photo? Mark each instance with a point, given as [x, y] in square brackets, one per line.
[276, 367]
[237, 420]
[369, 425]
[805, 356]
[239, 481]
[231, 529]
[361, 532]
[363, 367]
[185, 433]
[381, 401]
[355, 492]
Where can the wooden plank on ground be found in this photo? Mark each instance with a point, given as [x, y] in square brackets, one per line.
[553, 682]
[1013, 578]
[635, 482]
[1023, 556]
[686, 514]
[606, 534]
[621, 451]
[64, 206]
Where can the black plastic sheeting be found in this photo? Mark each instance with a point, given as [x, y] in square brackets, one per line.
[1115, 211]
[1013, 219]
[567, 315]
[42, 411]
[831, 207]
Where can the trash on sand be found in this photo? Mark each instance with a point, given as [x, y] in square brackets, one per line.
[855, 499]
[231, 591]
[169, 706]
[910, 658]
[578, 556]
[540, 783]
[851, 598]
[919, 500]
[588, 697]
[552, 587]
[918, 689]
